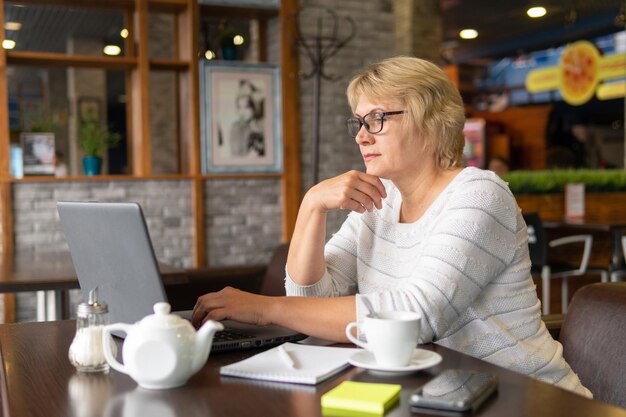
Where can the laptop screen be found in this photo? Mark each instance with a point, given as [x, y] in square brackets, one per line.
[111, 248]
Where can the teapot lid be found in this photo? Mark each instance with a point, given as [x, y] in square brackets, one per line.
[163, 318]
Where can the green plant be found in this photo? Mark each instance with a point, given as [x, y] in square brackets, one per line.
[94, 139]
[40, 124]
[553, 181]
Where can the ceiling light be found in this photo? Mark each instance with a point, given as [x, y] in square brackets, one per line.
[12, 25]
[536, 12]
[124, 33]
[238, 40]
[468, 34]
[8, 44]
[112, 50]
[209, 55]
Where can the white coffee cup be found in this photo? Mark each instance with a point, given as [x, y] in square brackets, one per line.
[391, 336]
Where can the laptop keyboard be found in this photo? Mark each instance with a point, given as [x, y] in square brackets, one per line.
[230, 334]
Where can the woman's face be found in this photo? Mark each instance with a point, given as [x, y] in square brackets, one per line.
[244, 110]
[394, 153]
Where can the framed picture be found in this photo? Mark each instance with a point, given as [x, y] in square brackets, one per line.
[89, 109]
[241, 118]
[38, 153]
[265, 4]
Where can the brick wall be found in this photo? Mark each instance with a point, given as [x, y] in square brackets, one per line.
[243, 220]
[419, 28]
[163, 97]
[166, 206]
[374, 41]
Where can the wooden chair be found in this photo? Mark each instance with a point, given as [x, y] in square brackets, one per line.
[617, 274]
[274, 279]
[538, 246]
[259, 279]
[594, 340]
[200, 281]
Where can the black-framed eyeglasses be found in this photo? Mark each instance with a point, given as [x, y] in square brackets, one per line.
[373, 122]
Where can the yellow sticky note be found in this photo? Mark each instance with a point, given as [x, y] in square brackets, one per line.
[360, 399]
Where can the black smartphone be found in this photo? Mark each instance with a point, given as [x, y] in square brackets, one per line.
[454, 391]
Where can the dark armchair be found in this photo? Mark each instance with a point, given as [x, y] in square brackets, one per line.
[594, 340]
[274, 278]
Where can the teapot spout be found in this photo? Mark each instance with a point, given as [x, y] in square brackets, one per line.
[204, 340]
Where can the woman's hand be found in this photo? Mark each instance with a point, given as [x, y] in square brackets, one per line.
[231, 304]
[353, 190]
[325, 318]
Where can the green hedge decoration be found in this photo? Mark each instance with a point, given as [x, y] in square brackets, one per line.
[543, 182]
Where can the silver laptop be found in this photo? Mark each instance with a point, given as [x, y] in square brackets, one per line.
[111, 249]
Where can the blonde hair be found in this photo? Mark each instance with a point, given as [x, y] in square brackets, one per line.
[433, 104]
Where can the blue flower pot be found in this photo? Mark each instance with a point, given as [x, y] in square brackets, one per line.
[92, 165]
[229, 53]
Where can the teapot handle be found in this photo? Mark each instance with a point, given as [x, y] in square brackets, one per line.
[106, 344]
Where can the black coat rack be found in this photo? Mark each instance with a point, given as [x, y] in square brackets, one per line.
[319, 47]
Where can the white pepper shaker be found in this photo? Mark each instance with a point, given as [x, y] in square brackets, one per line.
[86, 352]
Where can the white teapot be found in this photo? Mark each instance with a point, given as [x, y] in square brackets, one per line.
[162, 350]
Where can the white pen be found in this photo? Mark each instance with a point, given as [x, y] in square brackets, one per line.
[286, 357]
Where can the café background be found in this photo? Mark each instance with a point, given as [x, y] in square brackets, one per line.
[242, 216]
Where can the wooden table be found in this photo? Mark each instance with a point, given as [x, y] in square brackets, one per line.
[37, 379]
[53, 272]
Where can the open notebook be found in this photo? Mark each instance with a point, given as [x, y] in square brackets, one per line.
[313, 364]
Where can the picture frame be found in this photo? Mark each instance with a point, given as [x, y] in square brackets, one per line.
[38, 153]
[89, 109]
[241, 118]
[263, 4]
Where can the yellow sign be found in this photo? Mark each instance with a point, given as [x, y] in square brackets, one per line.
[608, 91]
[580, 70]
[541, 80]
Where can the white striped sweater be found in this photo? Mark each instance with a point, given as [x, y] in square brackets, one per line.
[464, 265]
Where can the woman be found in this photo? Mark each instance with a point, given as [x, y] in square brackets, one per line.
[246, 132]
[423, 234]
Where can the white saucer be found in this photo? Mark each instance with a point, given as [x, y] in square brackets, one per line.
[420, 359]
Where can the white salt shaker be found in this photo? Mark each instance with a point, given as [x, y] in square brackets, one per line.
[86, 352]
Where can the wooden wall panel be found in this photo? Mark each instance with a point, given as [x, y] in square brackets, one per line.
[599, 207]
[189, 122]
[292, 181]
[4, 108]
[140, 91]
[6, 207]
[526, 127]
